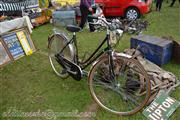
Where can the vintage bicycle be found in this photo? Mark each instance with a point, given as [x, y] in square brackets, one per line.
[117, 82]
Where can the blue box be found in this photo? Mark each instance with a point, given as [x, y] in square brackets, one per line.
[157, 50]
[63, 18]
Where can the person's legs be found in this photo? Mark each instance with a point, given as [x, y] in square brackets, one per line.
[84, 14]
[173, 1]
[91, 27]
[160, 4]
[157, 5]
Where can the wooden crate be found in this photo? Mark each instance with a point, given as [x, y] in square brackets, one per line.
[157, 50]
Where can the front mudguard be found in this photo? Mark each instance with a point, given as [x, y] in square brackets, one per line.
[105, 55]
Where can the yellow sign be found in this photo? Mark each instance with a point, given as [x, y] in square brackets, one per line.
[64, 2]
[25, 45]
[43, 3]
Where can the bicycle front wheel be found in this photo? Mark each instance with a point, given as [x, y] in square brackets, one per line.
[56, 43]
[126, 91]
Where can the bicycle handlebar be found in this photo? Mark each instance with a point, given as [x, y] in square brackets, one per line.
[100, 18]
[112, 25]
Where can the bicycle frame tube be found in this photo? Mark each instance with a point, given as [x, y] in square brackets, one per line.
[76, 59]
[92, 60]
[110, 54]
[94, 55]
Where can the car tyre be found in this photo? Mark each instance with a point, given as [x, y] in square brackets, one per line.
[132, 13]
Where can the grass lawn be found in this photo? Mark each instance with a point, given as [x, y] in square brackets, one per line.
[29, 84]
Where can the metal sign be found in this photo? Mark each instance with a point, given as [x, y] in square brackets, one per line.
[161, 108]
[24, 42]
[13, 45]
[28, 37]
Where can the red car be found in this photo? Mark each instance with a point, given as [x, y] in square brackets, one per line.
[130, 9]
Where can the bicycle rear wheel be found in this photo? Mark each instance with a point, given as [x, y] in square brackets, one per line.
[127, 93]
[55, 45]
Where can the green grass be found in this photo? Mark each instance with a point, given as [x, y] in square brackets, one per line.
[29, 84]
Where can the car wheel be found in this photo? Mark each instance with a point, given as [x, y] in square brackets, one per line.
[132, 13]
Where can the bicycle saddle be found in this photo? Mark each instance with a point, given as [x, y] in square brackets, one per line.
[73, 28]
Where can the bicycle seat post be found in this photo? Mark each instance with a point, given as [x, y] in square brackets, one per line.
[74, 39]
[75, 44]
[74, 36]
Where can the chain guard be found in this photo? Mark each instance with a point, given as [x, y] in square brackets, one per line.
[73, 70]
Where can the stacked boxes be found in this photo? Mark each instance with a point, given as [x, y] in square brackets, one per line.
[63, 18]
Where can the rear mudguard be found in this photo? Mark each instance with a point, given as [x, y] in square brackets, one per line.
[71, 46]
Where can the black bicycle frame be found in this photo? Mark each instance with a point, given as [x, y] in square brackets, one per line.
[95, 55]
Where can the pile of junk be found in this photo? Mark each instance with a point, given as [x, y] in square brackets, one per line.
[161, 80]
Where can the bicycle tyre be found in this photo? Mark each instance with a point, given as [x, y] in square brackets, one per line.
[55, 45]
[119, 108]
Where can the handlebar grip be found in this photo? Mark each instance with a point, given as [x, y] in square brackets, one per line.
[93, 17]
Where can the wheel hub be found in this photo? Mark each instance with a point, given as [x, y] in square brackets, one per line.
[132, 14]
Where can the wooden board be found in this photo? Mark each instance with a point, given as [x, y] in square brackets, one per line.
[4, 56]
